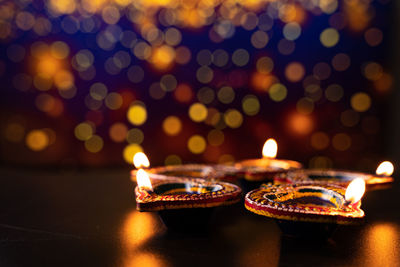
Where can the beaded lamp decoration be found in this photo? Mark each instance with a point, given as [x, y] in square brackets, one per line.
[184, 203]
[343, 178]
[309, 209]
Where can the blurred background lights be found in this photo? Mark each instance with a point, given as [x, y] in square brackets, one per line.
[137, 114]
[102, 77]
[198, 112]
[233, 118]
[196, 144]
[118, 132]
[360, 102]
[94, 144]
[37, 140]
[172, 125]
[250, 105]
[83, 131]
[226, 95]
[329, 37]
[277, 92]
[294, 71]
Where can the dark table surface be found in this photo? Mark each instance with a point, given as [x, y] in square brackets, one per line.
[88, 218]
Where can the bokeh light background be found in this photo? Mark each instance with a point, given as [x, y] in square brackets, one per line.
[91, 82]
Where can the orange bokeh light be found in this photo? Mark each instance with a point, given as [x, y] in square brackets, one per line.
[300, 124]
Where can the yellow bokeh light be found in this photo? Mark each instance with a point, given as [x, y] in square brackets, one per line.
[48, 65]
[63, 6]
[329, 37]
[250, 105]
[94, 144]
[277, 92]
[198, 112]
[360, 102]
[233, 118]
[37, 140]
[130, 151]
[196, 144]
[172, 125]
[83, 131]
[163, 57]
[137, 114]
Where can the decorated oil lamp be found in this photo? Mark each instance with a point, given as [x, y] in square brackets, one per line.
[266, 168]
[310, 210]
[343, 178]
[183, 203]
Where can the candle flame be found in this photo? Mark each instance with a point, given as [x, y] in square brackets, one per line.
[355, 190]
[386, 168]
[140, 160]
[270, 148]
[143, 179]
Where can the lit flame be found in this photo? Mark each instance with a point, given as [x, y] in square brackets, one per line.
[385, 168]
[270, 148]
[140, 160]
[355, 190]
[143, 179]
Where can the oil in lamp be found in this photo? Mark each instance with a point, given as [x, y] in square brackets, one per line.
[184, 204]
[256, 171]
[310, 210]
[203, 171]
[343, 178]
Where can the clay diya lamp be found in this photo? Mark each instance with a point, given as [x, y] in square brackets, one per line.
[203, 171]
[382, 178]
[183, 204]
[309, 210]
[257, 171]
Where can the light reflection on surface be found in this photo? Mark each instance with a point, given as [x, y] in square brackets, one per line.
[137, 228]
[143, 259]
[382, 246]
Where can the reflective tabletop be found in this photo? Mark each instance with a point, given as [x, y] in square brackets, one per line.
[88, 218]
